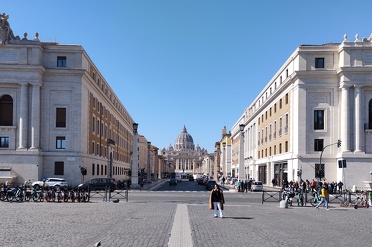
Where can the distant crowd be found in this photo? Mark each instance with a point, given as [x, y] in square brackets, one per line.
[307, 186]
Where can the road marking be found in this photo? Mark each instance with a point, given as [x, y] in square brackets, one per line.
[181, 230]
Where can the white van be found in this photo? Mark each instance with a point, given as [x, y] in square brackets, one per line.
[178, 177]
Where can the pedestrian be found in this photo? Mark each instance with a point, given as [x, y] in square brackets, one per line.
[216, 201]
[239, 185]
[324, 197]
[249, 186]
[273, 181]
[141, 184]
[313, 184]
[340, 184]
[223, 180]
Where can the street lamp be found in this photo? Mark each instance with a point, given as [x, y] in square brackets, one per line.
[111, 144]
[224, 159]
[241, 153]
[319, 173]
[134, 165]
[148, 162]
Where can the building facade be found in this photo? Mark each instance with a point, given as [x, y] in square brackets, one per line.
[314, 118]
[184, 157]
[58, 114]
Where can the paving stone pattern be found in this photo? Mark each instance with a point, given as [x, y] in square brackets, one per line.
[150, 224]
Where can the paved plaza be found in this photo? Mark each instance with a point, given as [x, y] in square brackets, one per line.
[145, 223]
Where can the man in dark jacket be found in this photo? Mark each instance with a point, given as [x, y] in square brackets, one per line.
[216, 201]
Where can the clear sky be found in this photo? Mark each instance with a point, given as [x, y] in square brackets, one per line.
[193, 63]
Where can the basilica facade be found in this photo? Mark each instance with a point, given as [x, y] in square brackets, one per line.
[184, 158]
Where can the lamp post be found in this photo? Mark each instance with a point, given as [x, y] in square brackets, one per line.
[148, 162]
[320, 158]
[224, 160]
[241, 153]
[134, 165]
[111, 144]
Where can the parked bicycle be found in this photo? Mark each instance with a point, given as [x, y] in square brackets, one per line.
[16, 194]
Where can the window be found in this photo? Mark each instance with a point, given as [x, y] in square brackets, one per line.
[93, 169]
[4, 142]
[319, 119]
[6, 110]
[286, 146]
[60, 142]
[59, 168]
[318, 145]
[286, 99]
[61, 118]
[319, 62]
[270, 132]
[61, 61]
[93, 124]
[286, 124]
[370, 114]
[280, 104]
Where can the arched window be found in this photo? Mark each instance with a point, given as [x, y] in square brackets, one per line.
[370, 114]
[6, 111]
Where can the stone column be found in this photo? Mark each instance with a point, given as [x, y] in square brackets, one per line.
[241, 157]
[344, 119]
[358, 122]
[35, 117]
[155, 167]
[23, 117]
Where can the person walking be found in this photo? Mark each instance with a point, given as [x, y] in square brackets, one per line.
[216, 201]
[340, 184]
[324, 197]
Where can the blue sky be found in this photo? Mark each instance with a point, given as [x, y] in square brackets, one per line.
[197, 63]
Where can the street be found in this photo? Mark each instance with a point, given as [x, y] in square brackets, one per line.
[149, 219]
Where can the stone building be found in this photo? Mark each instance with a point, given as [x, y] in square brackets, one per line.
[184, 157]
[313, 119]
[58, 114]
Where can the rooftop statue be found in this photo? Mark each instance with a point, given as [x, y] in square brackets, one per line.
[6, 33]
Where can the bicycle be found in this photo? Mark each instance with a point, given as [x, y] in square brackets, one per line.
[316, 199]
[15, 194]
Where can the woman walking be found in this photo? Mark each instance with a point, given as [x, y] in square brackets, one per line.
[216, 201]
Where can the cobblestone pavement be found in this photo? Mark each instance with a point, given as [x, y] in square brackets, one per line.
[150, 224]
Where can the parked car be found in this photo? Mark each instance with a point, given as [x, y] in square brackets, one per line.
[256, 186]
[172, 181]
[210, 184]
[50, 182]
[99, 184]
